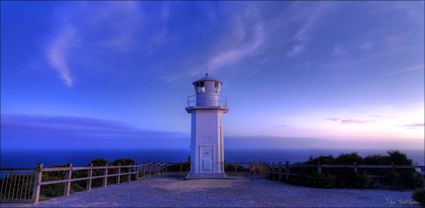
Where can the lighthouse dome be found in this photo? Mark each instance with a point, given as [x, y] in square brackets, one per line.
[206, 78]
[207, 85]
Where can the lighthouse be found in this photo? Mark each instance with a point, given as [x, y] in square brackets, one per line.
[207, 109]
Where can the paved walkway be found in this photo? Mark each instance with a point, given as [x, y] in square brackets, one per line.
[173, 191]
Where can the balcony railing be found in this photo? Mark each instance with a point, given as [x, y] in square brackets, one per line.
[191, 101]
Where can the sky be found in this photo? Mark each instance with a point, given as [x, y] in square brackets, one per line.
[296, 74]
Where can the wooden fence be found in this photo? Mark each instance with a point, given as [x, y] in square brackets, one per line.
[280, 171]
[24, 185]
[18, 187]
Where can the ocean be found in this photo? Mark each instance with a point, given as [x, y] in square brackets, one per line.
[30, 158]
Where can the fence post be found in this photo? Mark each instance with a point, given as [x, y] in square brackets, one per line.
[150, 169]
[37, 183]
[355, 167]
[273, 171]
[181, 167]
[159, 168]
[287, 171]
[119, 173]
[143, 169]
[90, 177]
[234, 165]
[280, 171]
[263, 169]
[105, 179]
[319, 168]
[137, 171]
[68, 178]
[166, 168]
[267, 169]
[130, 169]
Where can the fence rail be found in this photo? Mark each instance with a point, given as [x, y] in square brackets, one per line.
[278, 171]
[24, 185]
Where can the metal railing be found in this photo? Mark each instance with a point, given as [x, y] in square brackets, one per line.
[16, 184]
[191, 101]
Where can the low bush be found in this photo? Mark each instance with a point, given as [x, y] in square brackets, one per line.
[230, 167]
[323, 180]
[419, 196]
[348, 178]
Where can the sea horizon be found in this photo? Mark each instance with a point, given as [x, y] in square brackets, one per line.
[82, 157]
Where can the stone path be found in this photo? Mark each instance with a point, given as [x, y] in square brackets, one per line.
[248, 191]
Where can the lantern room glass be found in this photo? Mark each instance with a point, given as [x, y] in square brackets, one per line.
[217, 87]
[199, 87]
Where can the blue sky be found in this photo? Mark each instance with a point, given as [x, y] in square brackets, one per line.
[296, 74]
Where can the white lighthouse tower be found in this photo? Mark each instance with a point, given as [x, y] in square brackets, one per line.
[207, 108]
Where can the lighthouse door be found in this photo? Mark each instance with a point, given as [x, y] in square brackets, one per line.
[206, 158]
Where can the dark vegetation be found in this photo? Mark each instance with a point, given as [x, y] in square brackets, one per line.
[230, 167]
[391, 178]
[419, 196]
[58, 189]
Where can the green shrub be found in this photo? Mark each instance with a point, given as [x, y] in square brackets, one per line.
[419, 196]
[323, 180]
[347, 178]
[98, 172]
[123, 161]
[99, 162]
[362, 180]
[348, 159]
[410, 179]
[230, 167]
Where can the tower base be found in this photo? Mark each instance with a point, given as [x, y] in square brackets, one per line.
[206, 176]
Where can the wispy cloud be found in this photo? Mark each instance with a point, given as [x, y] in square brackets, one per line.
[349, 121]
[240, 51]
[92, 27]
[339, 51]
[413, 126]
[244, 37]
[404, 70]
[57, 53]
[304, 34]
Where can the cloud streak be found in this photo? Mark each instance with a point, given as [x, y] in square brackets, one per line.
[303, 35]
[413, 126]
[90, 31]
[349, 121]
[405, 70]
[234, 54]
[57, 53]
